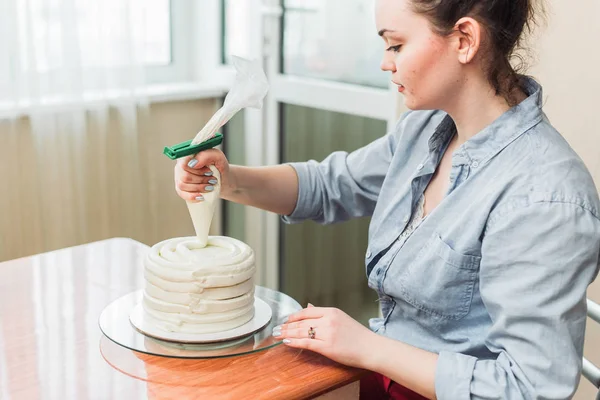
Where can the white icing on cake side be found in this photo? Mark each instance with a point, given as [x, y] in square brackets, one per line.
[194, 289]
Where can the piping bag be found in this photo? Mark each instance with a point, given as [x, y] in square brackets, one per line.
[248, 90]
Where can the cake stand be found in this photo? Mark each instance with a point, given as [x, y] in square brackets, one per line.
[116, 325]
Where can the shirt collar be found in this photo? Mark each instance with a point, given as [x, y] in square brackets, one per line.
[496, 136]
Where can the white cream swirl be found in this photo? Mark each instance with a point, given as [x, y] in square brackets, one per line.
[194, 289]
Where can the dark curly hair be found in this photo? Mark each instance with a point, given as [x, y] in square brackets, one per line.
[504, 22]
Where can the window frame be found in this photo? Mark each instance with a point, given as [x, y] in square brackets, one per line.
[179, 68]
[197, 29]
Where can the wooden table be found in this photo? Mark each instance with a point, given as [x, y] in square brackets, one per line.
[51, 346]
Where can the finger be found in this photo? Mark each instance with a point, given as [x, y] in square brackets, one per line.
[295, 325]
[304, 324]
[310, 305]
[202, 159]
[307, 313]
[308, 344]
[184, 160]
[206, 171]
[181, 168]
[188, 178]
[299, 333]
[193, 197]
[192, 161]
[203, 171]
[195, 188]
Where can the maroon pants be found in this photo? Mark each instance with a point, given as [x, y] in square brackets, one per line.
[376, 387]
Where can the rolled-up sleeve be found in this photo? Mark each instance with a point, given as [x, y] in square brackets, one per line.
[537, 262]
[344, 185]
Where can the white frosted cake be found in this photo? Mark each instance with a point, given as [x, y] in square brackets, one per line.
[191, 288]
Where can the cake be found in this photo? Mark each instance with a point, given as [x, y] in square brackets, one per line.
[195, 288]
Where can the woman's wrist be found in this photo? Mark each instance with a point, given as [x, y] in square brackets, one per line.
[231, 187]
[407, 365]
[371, 352]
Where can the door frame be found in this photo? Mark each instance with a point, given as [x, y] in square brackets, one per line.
[262, 127]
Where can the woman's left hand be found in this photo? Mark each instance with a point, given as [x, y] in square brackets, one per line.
[336, 335]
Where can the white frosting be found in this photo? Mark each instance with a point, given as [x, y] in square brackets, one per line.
[195, 289]
[202, 212]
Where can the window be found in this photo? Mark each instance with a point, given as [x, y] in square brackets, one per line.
[57, 51]
[236, 39]
[45, 40]
[103, 32]
[318, 44]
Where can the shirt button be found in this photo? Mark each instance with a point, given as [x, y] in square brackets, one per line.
[368, 253]
[474, 164]
[419, 167]
[405, 219]
[379, 271]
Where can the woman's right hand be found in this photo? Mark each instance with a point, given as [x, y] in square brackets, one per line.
[193, 176]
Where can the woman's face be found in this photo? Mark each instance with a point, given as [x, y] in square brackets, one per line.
[423, 64]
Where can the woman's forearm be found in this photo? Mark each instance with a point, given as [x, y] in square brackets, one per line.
[272, 188]
[407, 365]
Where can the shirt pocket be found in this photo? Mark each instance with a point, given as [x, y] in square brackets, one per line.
[440, 281]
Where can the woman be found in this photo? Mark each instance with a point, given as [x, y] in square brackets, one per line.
[484, 233]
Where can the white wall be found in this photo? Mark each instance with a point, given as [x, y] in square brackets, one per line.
[568, 67]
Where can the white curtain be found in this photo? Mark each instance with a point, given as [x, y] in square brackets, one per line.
[69, 54]
[72, 84]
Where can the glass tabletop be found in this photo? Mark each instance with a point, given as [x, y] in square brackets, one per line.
[114, 323]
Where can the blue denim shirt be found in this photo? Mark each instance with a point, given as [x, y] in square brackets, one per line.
[494, 279]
